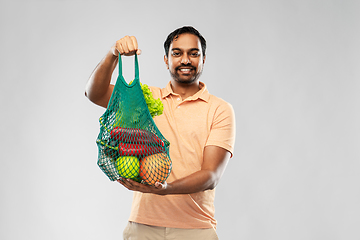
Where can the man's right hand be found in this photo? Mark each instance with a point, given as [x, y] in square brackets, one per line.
[99, 89]
[126, 46]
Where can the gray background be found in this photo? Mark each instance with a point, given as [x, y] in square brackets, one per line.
[290, 69]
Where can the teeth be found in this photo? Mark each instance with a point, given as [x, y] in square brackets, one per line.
[185, 70]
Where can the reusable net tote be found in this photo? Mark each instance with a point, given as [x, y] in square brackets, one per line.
[130, 145]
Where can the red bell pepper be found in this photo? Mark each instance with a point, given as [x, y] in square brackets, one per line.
[140, 150]
[135, 135]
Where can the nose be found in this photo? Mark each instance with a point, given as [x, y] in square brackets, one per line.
[185, 59]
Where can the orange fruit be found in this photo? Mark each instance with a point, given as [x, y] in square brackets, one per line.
[155, 168]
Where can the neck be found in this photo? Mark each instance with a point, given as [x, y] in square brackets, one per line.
[183, 89]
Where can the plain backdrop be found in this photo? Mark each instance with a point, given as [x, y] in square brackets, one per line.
[290, 68]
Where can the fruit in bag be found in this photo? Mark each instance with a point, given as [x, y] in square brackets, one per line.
[128, 166]
[155, 168]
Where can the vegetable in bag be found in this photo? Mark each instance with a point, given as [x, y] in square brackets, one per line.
[128, 132]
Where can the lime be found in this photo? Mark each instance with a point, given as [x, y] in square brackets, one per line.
[128, 166]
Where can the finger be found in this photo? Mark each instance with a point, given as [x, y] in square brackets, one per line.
[125, 46]
[121, 50]
[133, 183]
[119, 47]
[123, 181]
[159, 185]
[127, 184]
[120, 180]
[129, 44]
[134, 42]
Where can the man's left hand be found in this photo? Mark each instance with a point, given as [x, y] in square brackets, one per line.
[159, 188]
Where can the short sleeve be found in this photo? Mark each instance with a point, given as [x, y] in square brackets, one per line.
[222, 132]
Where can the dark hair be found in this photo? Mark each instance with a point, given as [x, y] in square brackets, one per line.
[179, 31]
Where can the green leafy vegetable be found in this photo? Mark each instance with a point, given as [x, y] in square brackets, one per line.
[155, 106]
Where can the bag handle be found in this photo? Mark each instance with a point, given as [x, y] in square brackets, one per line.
[136, 67]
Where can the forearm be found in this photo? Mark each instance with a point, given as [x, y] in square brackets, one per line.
[97, 87]
[213, 167]
[196, 182]
[215, 161]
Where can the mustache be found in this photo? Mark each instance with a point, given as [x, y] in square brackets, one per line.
[185, 65]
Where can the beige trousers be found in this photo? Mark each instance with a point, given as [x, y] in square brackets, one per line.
[136, 231]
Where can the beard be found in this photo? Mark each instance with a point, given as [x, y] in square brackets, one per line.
[185, 80]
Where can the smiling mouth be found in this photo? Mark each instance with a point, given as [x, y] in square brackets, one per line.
[185, 70]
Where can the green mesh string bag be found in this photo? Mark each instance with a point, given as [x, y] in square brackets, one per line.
[130, 145]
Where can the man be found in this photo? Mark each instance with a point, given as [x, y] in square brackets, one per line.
[201, 130]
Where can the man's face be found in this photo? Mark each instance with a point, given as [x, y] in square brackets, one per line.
[185, 61]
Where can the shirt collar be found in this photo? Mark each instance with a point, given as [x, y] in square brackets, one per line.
[203, 93]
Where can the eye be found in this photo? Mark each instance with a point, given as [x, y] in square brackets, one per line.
[176, 54]
[195, 54]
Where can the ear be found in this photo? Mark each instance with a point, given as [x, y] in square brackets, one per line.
[166, 61]
[204, 59]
